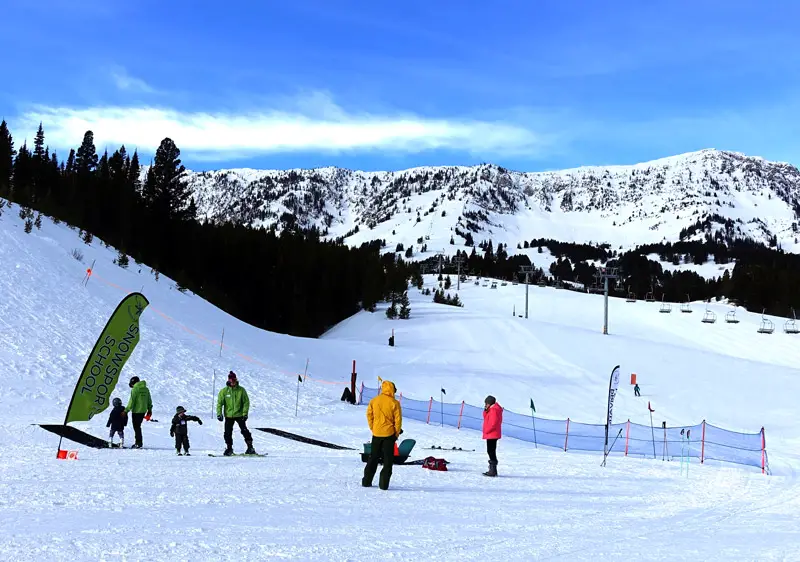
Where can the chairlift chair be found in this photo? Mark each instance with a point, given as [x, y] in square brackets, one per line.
[631, 297]
[504, 283]
[709, 317]
[648, 297]
[767, 327]
[665, 307]
[685, 306]
[790, 327]
[494, 284]
[730, 317]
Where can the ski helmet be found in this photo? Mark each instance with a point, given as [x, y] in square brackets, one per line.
[116, 402]
[133, 381]
[490, 400]
[180, 409]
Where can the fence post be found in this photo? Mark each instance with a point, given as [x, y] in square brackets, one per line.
[566, 439]
[627, 435]
[703, 443]
[763, 451]
[361, 394]
[430, 405]
[460, 414]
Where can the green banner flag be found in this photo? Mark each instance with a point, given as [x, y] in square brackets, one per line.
[532, 406]
[101, 372]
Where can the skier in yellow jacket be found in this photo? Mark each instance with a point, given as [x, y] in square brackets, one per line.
[385, 419]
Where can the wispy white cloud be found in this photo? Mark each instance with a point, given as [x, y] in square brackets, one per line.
[310, 123]
[126, 82]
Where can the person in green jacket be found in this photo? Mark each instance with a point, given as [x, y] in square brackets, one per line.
[235, 404]
[139, 404]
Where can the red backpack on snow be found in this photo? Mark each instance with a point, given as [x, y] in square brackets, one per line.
[432, 463]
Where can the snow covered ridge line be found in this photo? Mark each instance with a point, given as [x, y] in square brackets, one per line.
[714, 443]
[648, 202]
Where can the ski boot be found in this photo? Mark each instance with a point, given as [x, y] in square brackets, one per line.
[121, 442]
[228, 452]
[186, 454]
[179, 453]
[250, 450]
[492, 469]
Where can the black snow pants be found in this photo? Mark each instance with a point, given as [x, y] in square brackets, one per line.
[137, 427]
[382, 450]
[182, 440]
[491, 449]
[248, 438]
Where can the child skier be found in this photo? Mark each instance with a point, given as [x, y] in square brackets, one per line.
[179, 429]
[117, 422]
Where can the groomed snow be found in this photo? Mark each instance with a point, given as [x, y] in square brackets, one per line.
[306, 503]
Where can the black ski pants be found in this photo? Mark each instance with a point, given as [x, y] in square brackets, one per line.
[137, 427]
[491, 448]
[248, 438]
[182, 440]
[382, 450]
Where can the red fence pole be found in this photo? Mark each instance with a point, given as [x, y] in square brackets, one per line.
[430, 405]
[460, 414]
[763, 451]
[703, 444]
[566, 439]
[627, 436]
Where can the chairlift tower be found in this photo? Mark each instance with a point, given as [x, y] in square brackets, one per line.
[459, 260]
[526, 269]
[607, 273]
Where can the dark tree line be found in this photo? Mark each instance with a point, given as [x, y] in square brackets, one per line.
[289, 282]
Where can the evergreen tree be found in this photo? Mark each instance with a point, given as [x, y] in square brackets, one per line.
[7, 154]
[391, 312]
[28, 226]
[23, 176]
[38, 222]
[122, 260]
[447, 282]
[86, 157]
[405, 309]
[166, 190]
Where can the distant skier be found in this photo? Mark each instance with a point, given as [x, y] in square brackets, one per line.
[139, 404]
[117, 422]
[636, 390]
[492, 431]
[180, 429]
[235, 404]
[385, 419]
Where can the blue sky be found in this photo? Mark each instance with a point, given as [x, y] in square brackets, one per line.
[530, 84]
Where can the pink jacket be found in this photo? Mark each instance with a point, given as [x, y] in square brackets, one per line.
[492, 422]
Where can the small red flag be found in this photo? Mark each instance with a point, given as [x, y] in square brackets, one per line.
[648, 406]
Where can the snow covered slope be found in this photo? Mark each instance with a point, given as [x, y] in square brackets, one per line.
[306, 503]
[621, 205]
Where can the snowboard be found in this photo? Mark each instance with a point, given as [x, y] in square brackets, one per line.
[238, 455]
[453, 450]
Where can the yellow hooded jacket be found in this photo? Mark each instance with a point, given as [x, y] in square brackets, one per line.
[384, 414]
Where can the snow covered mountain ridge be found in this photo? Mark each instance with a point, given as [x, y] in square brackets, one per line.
[442, 207]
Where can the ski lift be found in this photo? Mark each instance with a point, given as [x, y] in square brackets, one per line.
[767, 327]
[648, 297]
[504, 283]
[790, 327]
[685, 306]
[709, 317]
[631, 297]
[730, 317]
[494, 284]
[515, 282]
[542, 282]
[477, 282]
[665, 306]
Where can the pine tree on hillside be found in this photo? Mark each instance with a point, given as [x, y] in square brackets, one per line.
[7, 154]
[166, 190]
[86, 158]
[23, 176]
[122, 259]
[28, 226]
[391, 312]
[38, 222]
[405, 309]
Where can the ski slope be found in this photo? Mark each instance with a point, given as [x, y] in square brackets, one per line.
[306, 503]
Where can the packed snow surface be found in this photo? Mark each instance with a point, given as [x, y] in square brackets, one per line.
[306, 503]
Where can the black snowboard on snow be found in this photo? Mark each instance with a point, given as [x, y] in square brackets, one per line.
[78, 436]
[295, 437]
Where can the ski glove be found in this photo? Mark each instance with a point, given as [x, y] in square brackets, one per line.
[219, 417]
[172, 433]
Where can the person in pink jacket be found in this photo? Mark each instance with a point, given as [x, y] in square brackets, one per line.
[492, 424]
